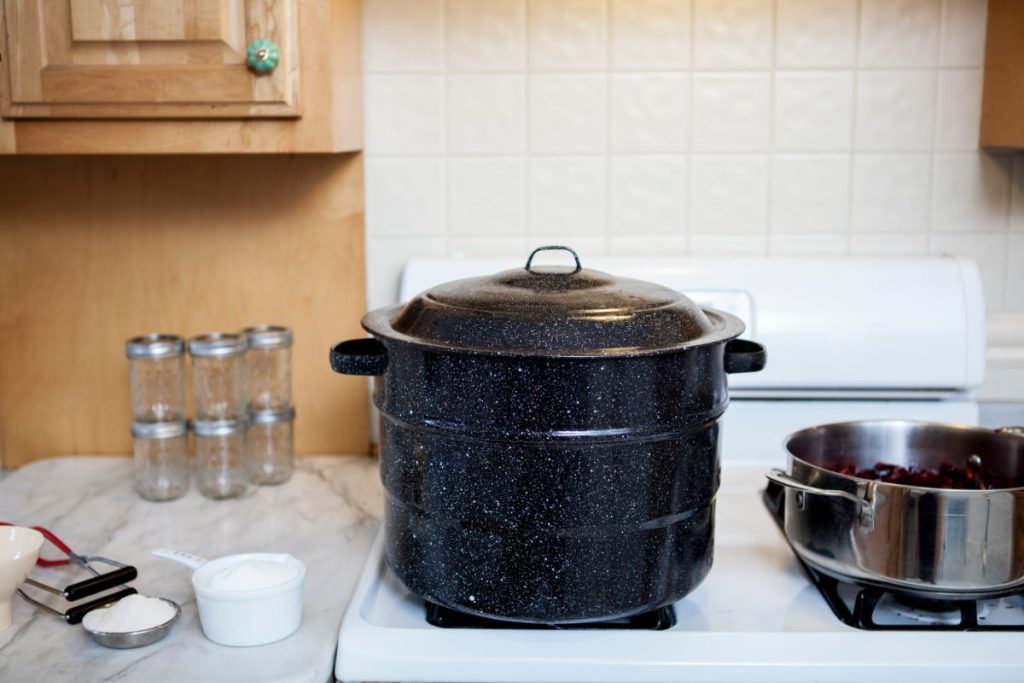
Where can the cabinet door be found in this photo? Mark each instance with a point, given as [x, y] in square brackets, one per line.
[147, 58]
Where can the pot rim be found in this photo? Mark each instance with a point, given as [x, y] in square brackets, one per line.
[378, 323]
[860, 483]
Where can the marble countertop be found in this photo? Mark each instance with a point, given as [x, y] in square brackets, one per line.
[327, 516]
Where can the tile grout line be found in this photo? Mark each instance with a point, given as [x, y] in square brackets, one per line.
[527, 140]
[446, 142]
[929, 233]
[692, 49]
[772, 97]
[854, 108]
[606, 198]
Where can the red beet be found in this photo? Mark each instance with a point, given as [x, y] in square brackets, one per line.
[947, 476]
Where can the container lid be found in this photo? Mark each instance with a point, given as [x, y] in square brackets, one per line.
[154, 346]
[553, 311]
[219, 427]
[268, 336]
[218, 344]
[260, 417]
[159, 430]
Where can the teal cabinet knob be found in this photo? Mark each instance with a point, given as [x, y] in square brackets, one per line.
[263, 55]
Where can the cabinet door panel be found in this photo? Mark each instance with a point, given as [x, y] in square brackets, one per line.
[147, 58]
[150, 20]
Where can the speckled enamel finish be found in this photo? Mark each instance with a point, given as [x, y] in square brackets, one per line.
[550, 490]
[549, 440]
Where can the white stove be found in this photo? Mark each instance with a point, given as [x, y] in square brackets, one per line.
[906, 340]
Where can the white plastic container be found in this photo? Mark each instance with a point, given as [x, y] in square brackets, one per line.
[244, 618]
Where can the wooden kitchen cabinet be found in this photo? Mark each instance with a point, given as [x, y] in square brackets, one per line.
[1002, 104]
[179, 76]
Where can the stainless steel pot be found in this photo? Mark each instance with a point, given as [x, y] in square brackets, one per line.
[938, 543]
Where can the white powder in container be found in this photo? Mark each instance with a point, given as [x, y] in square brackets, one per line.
[133, 613]
[254, 574]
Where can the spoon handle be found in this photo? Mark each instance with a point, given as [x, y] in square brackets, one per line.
[189, 560]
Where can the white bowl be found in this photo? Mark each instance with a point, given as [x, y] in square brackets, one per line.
[19, 548]
[252, 617]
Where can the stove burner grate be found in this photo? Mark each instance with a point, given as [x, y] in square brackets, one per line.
[863, 606]
[656, 620]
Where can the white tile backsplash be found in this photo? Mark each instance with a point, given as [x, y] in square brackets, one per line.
[970, 193]
[650, 112]
[895, 110]
[733, 34]
[486, 196]
[1017, 195]
[959, 110]
[731, 112]
[647, 195]
[568, 196]
[684, 127]
[813, 111]
[405, 197]
[486, 114]
[963, 32]
[568, 113]
[567, 35]
[485, 35]
[899, 33]
[407, 38]
[1015, 273]
[816, 33]
[811, 194]
[729, 194]
[404, 114]
[650, 34]
[891, 193]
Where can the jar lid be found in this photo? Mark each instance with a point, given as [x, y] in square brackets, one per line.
[219, 427]
[159, 430]
[218, 344]
[154, 345]
[261, 417]
[268, 336]
[553, 311]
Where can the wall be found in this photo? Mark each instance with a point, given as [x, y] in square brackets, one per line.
[633, 127]
[94, 250]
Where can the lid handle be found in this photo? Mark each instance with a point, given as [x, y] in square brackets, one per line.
[552, 247]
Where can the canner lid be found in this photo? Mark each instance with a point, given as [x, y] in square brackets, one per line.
[555, 311]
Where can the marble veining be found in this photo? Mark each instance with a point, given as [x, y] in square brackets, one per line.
[327, 516]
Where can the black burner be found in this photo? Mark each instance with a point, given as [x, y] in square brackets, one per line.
[655, 620]
[855, 604]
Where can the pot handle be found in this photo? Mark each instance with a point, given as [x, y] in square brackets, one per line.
[552, 247]
[359, 357]
[867, 510]
[743, 355]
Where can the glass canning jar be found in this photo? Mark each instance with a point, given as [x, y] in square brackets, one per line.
[221, 464]
[218, 375]
[161, 459]
[156, 369]
[270, 445]
[269, 367]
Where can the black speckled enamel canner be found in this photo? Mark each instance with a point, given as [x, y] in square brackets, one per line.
[549, 440]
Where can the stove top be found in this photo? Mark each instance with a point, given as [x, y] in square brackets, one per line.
[756, 617]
